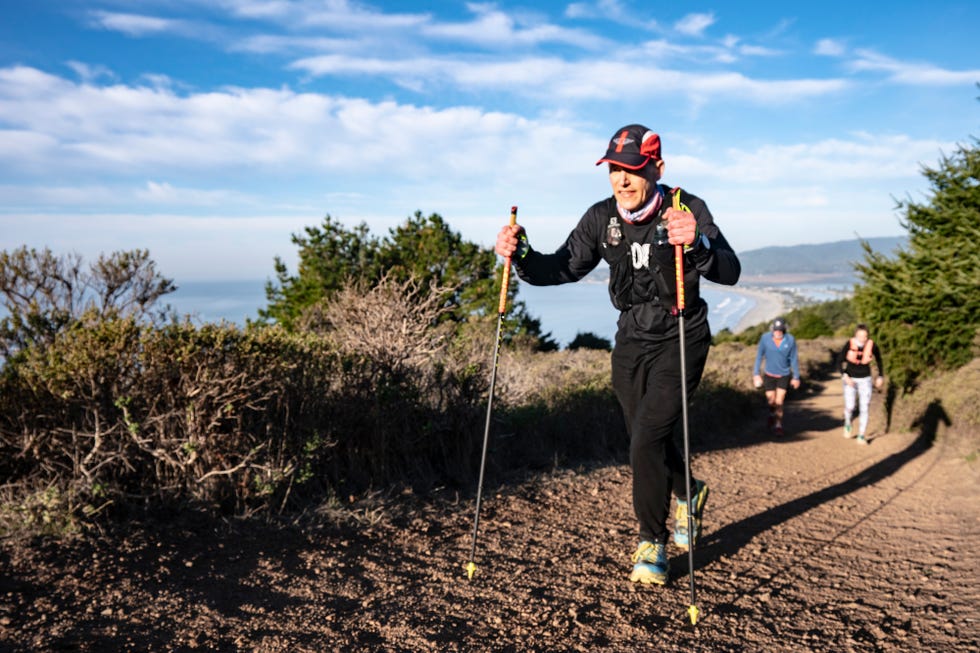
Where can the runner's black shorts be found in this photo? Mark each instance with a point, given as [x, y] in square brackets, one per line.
[772, 382]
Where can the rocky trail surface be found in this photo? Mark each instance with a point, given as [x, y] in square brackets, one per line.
[812, 543]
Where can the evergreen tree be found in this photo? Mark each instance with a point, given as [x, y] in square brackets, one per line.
[923, 306]
[329, 256]
[427, 250]
[424, 249]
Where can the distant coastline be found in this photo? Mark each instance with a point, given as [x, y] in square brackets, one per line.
[767, 305]
[564, 311]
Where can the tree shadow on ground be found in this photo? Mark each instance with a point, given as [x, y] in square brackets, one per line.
[730, 539]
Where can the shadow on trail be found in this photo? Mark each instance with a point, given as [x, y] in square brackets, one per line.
[733, 537]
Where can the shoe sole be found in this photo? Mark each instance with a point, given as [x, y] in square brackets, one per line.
[702, 499]
[648, 579]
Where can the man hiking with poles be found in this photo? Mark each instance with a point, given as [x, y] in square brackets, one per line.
[635, 231]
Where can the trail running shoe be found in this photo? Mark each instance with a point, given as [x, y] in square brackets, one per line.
[848, 433]
[681, 539]
[861, 439]
[649, 564]
[778, 431]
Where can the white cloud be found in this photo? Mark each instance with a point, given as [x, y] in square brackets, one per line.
[151, 194]
[829, 48]
[165, 193]
[328, 14]
[579, 10]
[499, 30]
[277, 43]
[58, 128]
[90, 73]
[832, 161]
[610, 10]
[550, 78]
[135, 24]
[758, 51]
[914, 74]
[694, 24]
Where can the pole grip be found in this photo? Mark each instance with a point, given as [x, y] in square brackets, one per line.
[505, 282]
[679, 259]
[679, 273]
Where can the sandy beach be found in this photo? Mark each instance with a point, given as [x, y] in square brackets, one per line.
[768, 305]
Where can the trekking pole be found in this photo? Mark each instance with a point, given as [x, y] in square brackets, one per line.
[692, 610]
[501, 309]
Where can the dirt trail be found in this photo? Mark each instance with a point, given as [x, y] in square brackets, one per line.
[812, 543]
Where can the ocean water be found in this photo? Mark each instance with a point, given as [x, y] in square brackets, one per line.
[564, 311]
[584, 307]
[214, 301]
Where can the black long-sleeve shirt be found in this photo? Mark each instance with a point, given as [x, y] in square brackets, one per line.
[642, 276]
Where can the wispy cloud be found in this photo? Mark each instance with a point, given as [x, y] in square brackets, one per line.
[915, 74]
[339, 15]
[552, 77]
[149, 194]
[292, 44]
[830, 48]
[90, 73]
[165, 193]
[833, 160]
[694, 24]
[758, 51]
[612, 10]
[496, 29]
[137, 24]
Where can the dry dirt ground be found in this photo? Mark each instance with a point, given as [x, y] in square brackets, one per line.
[812, 543]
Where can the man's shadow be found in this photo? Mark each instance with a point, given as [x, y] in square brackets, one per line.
[733, 537]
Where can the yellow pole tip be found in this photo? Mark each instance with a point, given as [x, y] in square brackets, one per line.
[693, 611]
[470, 570]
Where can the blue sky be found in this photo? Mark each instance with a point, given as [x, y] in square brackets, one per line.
[209, 131]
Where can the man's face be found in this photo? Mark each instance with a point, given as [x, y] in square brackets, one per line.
[860, 337]
[633, 188]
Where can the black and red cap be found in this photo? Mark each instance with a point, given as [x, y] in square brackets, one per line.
[632, 147]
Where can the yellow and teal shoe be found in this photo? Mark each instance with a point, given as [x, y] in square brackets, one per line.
[649, 564]
[681, 537]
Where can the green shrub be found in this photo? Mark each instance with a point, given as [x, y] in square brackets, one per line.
[590, 340]
[923, 303]
[118, 413]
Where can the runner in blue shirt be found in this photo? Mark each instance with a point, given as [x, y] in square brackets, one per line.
[782, 370]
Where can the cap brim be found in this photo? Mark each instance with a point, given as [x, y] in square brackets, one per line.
[629, 161]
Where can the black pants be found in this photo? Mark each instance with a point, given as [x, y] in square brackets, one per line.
[647, 380]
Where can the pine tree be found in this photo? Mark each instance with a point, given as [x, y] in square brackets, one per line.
[923, 306]
[424, 249]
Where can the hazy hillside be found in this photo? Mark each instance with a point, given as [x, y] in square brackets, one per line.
[823, 258]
